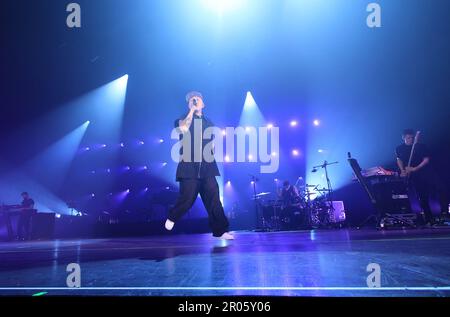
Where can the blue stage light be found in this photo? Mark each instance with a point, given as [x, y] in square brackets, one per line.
[251, 116]
[120, 197]
[223, 6]
[59, 156]
[120, 85]
[13, 182]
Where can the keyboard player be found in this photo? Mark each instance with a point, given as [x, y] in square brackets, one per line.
[24, 223]
[25, 211]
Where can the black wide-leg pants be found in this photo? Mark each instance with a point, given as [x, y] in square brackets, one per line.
[209, 192]
[427, 186]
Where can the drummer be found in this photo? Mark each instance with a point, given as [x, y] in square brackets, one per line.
[289, 194]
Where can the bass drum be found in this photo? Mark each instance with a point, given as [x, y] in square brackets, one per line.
[292, 217]
[272, 215]
[320, 216]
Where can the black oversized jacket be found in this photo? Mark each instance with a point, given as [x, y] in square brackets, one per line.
[193, 169]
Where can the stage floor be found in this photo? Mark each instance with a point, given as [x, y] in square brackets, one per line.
[301, 263]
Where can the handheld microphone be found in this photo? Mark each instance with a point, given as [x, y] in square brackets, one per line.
[194, 102]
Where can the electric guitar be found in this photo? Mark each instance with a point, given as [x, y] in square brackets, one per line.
[416, 140]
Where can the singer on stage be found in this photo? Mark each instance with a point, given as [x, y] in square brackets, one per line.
[196, 175]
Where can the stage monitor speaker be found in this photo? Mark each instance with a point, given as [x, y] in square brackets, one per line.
[338, 214]
[43, 226]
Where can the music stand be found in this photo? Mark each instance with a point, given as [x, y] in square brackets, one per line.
[260, 225]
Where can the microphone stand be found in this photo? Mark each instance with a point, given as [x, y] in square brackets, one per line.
[259, 226]
[329, 187]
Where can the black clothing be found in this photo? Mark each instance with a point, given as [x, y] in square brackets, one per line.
[24, 223]
[420, 152]
[426, 186]
[189, 168]
[289, 195]
[424, 182]
[27, 203]
[209, 192]
[199, 178]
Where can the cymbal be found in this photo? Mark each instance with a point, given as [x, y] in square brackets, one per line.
[262, 194]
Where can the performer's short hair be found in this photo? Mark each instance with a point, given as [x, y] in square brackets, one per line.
[408, 132]
[24, 193]
[191, 94]
[286, 183]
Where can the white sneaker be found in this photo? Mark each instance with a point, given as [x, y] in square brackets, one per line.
[227, 236]
[169, 224]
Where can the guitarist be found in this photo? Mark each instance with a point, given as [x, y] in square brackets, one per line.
[413, 160]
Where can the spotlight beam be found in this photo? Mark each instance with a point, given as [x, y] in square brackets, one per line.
[51, 166]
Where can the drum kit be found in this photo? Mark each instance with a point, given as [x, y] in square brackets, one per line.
[308, 210]
[312, 209]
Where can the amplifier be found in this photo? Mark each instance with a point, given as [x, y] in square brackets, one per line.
[338, 214]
